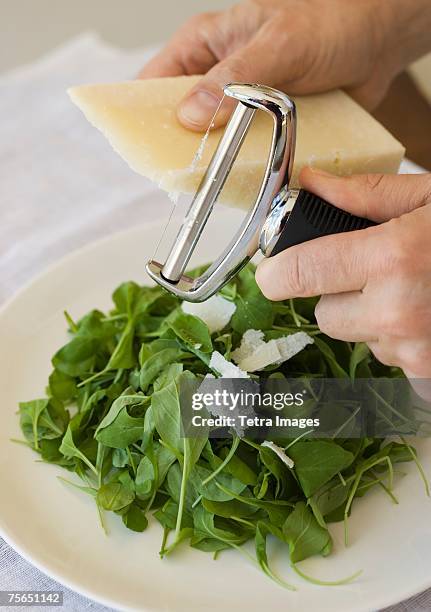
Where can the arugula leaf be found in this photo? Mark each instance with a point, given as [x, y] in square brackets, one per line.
[167, 417]
[263, 529]
[330, 498]
[30, 413]
[118, 429]
[123, 356]
[165, 406]
[128, 297]
[230, 508]
[167, 515]
[360, 355]
[114, 496]
[122, 432]
[172, 372]
[204, 525]
[304, 534]
[135, 518]
[68, 449]
[253, 311]
[157, 363]
[211, 489]
[152, 472]
[77, 357]
[329, 356]
[192, 331]
[317, 461]
[62, 386]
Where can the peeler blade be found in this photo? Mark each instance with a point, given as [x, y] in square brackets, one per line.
[245, 243]
[207, 193]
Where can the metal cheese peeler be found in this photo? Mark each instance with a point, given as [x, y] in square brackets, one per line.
[280, 217]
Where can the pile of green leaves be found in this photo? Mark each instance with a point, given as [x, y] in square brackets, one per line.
[112, 416]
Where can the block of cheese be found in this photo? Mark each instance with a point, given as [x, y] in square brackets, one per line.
[139, 120]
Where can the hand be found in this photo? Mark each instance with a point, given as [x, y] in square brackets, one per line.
[300, 46]
[375, 283]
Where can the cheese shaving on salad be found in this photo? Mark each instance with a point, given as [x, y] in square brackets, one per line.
[225, 368]
[216, 312]
[280, 452]
[255, 354]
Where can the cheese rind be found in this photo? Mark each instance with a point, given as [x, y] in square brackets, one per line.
[139, 119]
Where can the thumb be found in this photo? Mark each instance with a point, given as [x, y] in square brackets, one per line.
[378, 197]
[245, 65]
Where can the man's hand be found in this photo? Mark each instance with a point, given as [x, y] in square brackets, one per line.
[299, 46]
[375, 283]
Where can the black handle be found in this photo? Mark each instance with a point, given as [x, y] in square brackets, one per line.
[313, 217]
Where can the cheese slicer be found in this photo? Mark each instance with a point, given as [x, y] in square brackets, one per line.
[280, 217]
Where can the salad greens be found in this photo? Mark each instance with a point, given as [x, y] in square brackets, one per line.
[112, 416]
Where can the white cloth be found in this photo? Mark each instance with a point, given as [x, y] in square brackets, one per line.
[61, 187]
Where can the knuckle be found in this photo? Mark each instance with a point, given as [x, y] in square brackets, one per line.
[400, 250]
[425, 192]
[237, 67]
[372, 186]
[196, 21]
[419, 317]
[396, 321]
[293, 280]
[374, 181]
[286, 30]
[406, 313]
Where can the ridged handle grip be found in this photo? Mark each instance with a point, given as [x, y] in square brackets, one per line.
[313, 217]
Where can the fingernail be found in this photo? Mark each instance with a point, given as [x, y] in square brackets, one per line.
[199, 108]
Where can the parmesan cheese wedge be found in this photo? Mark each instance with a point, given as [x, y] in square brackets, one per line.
[139, 119]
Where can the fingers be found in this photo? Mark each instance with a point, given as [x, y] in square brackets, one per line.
[353, 317]
[265, 54]
[343, 262]
[331, 264]
[251, 63]
[412, 355]
[371, 93]
[346, 317]
[187, 53]
[166, 63]
[360, 317]
[378, 197]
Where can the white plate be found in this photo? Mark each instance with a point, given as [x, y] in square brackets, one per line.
[56, 527]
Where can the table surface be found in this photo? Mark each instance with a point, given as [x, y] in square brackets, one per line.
[51, 205]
